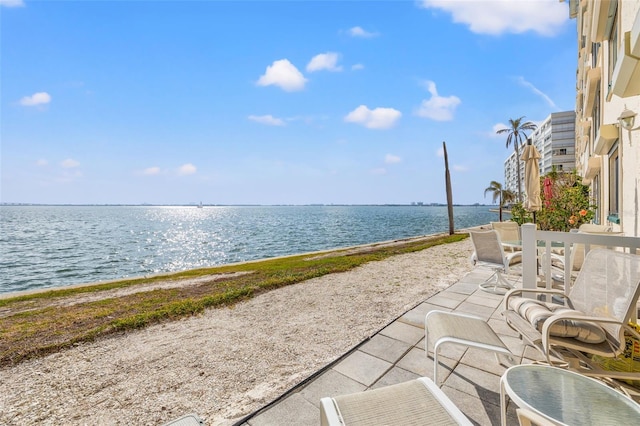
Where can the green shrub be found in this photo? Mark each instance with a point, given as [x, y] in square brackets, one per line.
[568, 206]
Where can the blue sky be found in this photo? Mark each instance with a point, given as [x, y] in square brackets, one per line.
[271, 102]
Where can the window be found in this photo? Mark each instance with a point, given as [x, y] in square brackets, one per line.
[614, 182]
[595, 194]
[613, 46]
[595, 115]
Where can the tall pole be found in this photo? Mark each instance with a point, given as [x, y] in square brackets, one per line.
[534, 212]
[447, 178]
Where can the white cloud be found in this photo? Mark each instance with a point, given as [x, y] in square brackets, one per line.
[39, 98]
[12, 3]
[42, 162]
[438, 107]
[537, 91]
[545, 17]
[392, 159]
[379, 118]
[324, 61]
[498, 126]
[69, 163]
[268, 119]
[360, 32]
[187, 169]
[357, 67]
[283, 74]
[151, 171]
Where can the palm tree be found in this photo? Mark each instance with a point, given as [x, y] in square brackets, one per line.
[504, 195]
[516, 135]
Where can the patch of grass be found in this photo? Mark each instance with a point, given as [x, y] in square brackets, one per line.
[37, 324]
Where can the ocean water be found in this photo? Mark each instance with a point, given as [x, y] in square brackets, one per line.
[51, 246]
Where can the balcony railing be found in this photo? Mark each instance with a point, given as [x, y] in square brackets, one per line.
[539, 244]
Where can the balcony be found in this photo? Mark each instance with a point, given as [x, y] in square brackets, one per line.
[626, 75]
[582, 143]
[579, 100]
[634, 38]
[603, 12]
[584, 127]
[593, 168]
[592, 80]
[582, 55]
[607, 135]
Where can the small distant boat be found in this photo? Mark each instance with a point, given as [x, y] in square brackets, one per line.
[200, 205]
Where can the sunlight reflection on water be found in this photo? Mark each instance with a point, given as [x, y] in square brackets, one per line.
[46, 246]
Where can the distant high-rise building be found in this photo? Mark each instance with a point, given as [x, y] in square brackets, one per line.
[555, 140]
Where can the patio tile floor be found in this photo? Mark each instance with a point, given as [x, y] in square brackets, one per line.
[470, 377]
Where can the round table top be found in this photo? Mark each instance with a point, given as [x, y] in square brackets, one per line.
[539, 243]
[567, 397]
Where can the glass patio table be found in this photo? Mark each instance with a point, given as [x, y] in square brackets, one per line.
[517, 244]
[564, 397]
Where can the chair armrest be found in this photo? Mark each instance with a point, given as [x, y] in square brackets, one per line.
[548, 323]
[329, 415]
[509, 257]
[554, 259]
[519, 291]
[473, 259]
[523, 327]
[514, 254]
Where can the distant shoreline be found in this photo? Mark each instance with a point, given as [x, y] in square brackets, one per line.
[5, 204]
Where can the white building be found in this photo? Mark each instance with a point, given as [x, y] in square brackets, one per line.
[607, 102]
[555, 140]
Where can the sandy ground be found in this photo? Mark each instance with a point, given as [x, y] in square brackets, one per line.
[225, 363]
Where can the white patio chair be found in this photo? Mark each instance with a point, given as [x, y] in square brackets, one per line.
[593, 319]
[508, 231]
[488, 252]
[416, 402]
[188, 420]
[578, 250]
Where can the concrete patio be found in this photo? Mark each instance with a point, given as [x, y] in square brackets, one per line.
[470, 377]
